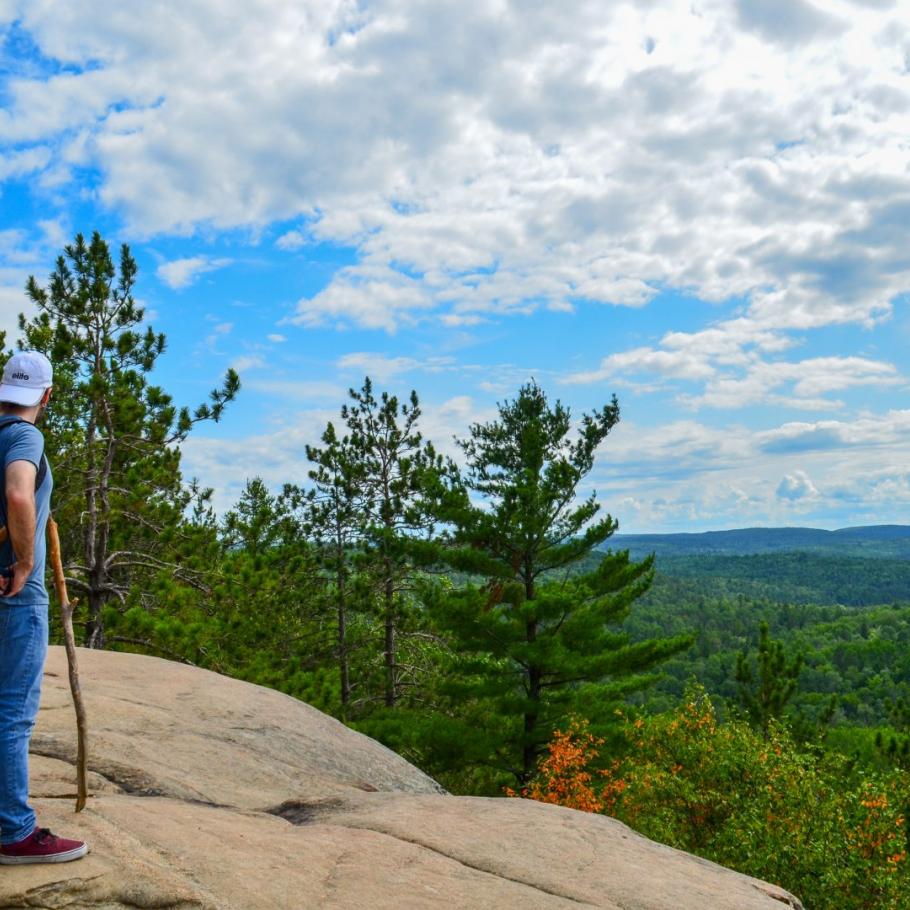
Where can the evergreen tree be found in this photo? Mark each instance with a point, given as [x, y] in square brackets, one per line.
[768, 683]
[261, 616]
[112, 435]
[535, 643]
[259, 521]
[389, 458]
[334, 515]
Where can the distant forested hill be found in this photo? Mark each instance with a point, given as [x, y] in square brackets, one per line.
[840, 597]
[876, 541]
[799, 577]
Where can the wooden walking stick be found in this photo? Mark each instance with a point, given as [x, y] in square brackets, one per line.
[66, 614]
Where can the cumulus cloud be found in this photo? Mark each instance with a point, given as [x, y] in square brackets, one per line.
[384, 368]
[681, 475]
[292, 240]
[27, 161]
[677, 364]
[687, 475]
[789, 22]
[880, 431]
[736, 365]
[181, 273]
[796, 486]
[378, 366]
[25, 252]
[747, 155]
[594, 154]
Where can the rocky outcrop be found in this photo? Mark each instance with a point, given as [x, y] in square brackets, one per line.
[212, 793]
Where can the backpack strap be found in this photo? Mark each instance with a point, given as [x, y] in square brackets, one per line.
[42, 467]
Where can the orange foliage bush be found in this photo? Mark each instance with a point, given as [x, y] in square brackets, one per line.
[831, 832]
[565, 776]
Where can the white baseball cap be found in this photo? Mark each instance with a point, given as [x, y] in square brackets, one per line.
[25, 377]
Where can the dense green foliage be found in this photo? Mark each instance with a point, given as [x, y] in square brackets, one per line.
[797, 577]
[768, 682]
[529, 648]
[877, 541]
[829, 831]
[858, 654]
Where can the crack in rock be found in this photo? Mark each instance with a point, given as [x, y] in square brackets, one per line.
[487, 870]
[132, 781]
[299, 812]
[787, 900]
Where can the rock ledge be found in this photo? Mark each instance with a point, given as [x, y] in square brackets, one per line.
[217, 794]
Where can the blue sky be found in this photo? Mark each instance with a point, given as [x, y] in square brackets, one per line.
[701, 206]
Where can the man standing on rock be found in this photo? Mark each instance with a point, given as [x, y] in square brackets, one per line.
[24, 508]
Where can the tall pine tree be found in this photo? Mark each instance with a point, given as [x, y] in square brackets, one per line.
[113, 435]
[536, 642]
[333, 510]
[389, 457]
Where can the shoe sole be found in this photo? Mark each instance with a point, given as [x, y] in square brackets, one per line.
[64, 857]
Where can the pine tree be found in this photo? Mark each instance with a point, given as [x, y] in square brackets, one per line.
[768, 684]
[259, 521]
[535, 643]
[389, 457]
[112, 436]
[333, 518]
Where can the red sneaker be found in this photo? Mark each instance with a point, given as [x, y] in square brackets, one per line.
[42, 847]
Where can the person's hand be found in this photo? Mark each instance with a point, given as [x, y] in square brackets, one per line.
[16, 582]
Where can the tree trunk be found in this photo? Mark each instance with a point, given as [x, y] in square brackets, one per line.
[529, 751]
[391, 682]
[94, 628]
[343, 667]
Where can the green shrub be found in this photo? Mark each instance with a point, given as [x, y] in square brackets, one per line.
[811, 822]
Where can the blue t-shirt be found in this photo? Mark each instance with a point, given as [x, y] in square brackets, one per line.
[23, 442]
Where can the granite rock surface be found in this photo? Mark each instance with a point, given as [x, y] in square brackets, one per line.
[217, 794]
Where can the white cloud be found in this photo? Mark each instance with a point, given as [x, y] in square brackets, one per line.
[292, 240]
[19, 164]
[891, 429]
[733, 361]
[12, 303]
[383, 299]
[384, 368]
[181, 273]
[564, 156]
[599, 152]
[796, 486]
[682, 475]
[687, 475]
[676, 364]
[377, 366]
[24, 253]
[275, 338]
[800, 384]
[246, 362]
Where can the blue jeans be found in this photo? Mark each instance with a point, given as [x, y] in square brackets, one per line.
[23, 648]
